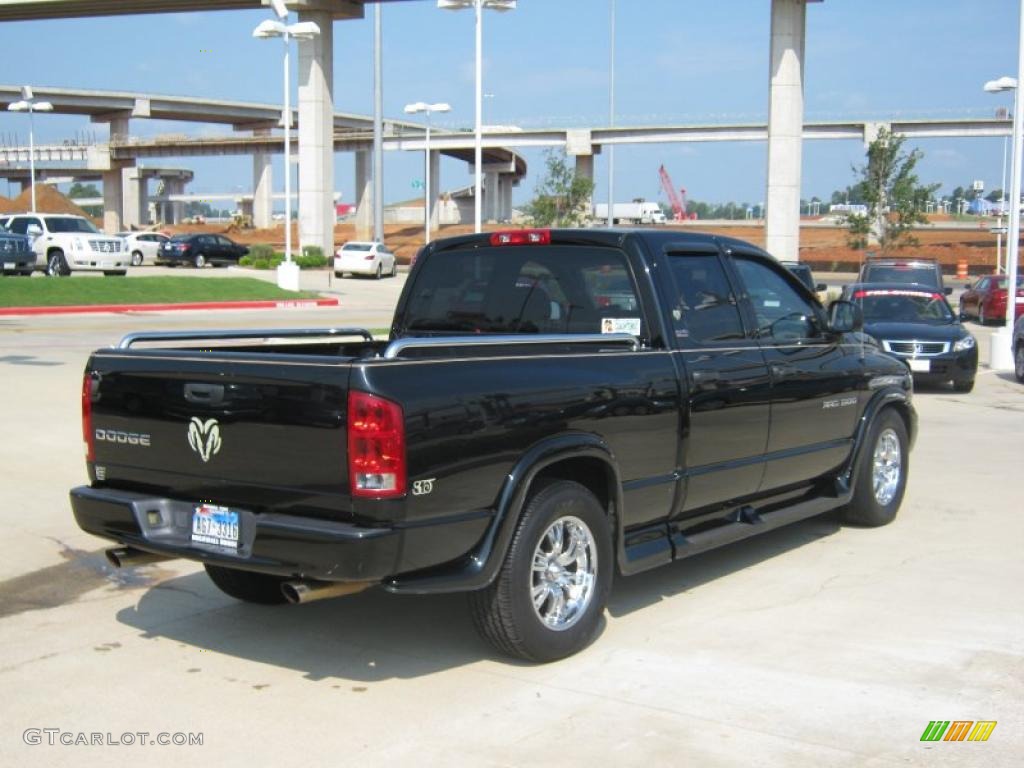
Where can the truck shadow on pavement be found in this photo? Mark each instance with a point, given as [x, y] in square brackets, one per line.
[375, 636]
[634, 593]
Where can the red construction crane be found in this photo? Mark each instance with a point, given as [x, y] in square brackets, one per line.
[677, 200]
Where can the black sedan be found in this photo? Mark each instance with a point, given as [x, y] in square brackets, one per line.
[916, 324]
[200, 250]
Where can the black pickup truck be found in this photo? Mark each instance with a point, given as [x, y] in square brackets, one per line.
[551, 406]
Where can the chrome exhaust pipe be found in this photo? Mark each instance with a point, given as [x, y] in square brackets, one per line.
[128, 557]
[296, 592]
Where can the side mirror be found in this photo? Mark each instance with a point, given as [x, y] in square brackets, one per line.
[844, 317]
[821, 287]
[949, 291]
[33, 230]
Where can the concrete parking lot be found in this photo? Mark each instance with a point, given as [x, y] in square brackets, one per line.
[814, 645]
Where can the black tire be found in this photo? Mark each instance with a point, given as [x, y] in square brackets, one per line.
[394, 268]
[250, 587]
[1018, 362]
[505, 613]
[137, 258]
[871, 507]
[115, 273]
[963, 386]
[339, 275]
[380, 271]
[57, 265]
[199, 261]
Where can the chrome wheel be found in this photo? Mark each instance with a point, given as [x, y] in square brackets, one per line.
[562, 577]
[887, 467]
[137, 259]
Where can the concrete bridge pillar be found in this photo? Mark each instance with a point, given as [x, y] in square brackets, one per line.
[113, 200]
[316, 133]
[136, 199]
[177, 208]
[785, 128]
[505, 183]
[584, 170]
[490, 201]
[363, 195]
[431, 195]
[261, 208]
[113, 181]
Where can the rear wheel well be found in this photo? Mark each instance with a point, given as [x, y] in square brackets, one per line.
[593, 474]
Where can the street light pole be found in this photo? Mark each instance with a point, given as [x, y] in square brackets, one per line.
[30, 105]
[288, 272]
[411, 109]
[611, 120]
[1002, 353]
[478, 7]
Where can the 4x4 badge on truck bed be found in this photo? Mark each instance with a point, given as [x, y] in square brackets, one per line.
[204, 437]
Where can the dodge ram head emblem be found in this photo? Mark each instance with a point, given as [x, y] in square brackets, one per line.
[204, 437]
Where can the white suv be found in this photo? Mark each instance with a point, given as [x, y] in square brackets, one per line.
[64, 243]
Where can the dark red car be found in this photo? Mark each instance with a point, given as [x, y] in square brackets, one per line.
[986, 299]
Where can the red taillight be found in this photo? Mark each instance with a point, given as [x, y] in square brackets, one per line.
[376, 447]
[185, 247]
[859, 294]
[522, 237]
[369, 257]
[88, 436]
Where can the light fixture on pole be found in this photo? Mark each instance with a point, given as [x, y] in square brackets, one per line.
[1002, 354]
[478, 6]
[999, 86]
[30, 105]
[287, 272]
[413, 109]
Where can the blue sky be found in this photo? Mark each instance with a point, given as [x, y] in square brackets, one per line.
[546, 64]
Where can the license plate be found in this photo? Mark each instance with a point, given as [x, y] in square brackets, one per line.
[920, 366]
[11, 265]
[216, 526]
[1019, 299]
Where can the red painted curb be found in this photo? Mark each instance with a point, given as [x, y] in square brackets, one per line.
[96, 308]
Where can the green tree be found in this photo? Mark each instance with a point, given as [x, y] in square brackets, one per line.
[894, 197]
[562, 197]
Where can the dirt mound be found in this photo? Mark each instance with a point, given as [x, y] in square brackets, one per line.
[48, 200]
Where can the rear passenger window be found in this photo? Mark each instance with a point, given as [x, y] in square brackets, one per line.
[705, 310]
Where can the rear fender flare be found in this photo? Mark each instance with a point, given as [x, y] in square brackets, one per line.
[480, 566]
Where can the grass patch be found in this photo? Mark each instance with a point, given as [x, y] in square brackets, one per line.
[63, 292]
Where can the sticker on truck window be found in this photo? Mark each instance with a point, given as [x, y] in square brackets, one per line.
[621, 325]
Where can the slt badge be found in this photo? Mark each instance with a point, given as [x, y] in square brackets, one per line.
[204, 437]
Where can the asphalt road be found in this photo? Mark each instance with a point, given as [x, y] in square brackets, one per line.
[814, 645]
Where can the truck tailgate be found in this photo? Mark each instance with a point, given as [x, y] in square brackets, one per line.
[261, 431]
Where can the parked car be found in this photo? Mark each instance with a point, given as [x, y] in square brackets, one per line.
[365, 258]
[525, 433]
[903, 270]
[916, 324]
[63, 243]
[143, 246]
[200, 250]
[16, 254]
[1018, 349]
[986, 299]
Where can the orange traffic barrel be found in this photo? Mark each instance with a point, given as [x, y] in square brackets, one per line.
[961, 269]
